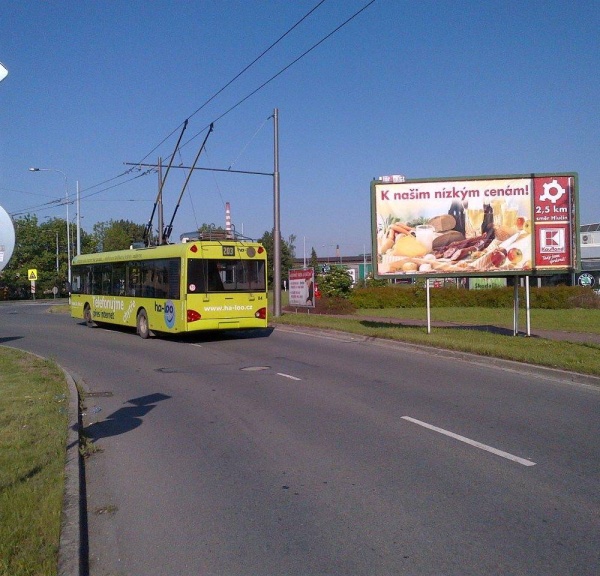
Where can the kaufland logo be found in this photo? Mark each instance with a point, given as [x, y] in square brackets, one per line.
[552, 240]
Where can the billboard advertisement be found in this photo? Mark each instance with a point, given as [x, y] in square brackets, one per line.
[475, 226]
[302, 287]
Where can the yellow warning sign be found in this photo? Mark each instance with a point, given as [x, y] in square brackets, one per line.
[32, 274]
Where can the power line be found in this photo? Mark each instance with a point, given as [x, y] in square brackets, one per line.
[295, 61]
[228, 111]
[62, 201]
[263, 53]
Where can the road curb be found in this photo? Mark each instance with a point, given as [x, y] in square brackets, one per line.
[69, 553]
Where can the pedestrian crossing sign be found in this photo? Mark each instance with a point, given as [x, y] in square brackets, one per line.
[32, 274]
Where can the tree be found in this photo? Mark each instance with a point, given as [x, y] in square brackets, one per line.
[117, 235]
[211, 230]
[314, 262]
[287, 260]
[292, 245]
[337, 283]
[42, 247]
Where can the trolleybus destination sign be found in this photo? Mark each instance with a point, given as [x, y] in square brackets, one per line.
[475, 226]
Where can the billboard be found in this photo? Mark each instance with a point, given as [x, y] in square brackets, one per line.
[302, 287]
[475, 226]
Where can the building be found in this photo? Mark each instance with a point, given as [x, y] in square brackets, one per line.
[590, 253]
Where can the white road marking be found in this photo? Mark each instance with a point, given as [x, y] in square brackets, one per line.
[471, 442]
[288, 376]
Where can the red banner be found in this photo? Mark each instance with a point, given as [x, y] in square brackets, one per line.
[553, 217]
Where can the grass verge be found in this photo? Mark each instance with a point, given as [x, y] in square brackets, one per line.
[33, 430]
[582, 358]
[569, 320]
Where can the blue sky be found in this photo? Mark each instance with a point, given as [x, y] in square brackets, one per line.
[426, 89]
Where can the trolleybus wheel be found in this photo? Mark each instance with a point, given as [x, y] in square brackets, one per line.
[142, 324]
[87, 316]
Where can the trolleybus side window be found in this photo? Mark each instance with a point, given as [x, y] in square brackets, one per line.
[134, 284]
[118, 279]
[96, 280]
[106, 279]
[81, 280]
[174, 269]
[160, 278]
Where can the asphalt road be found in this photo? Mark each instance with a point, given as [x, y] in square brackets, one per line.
[303, 453]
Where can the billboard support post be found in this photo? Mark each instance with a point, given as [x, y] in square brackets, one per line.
[527, 306]
[516, 307]
[428, 306]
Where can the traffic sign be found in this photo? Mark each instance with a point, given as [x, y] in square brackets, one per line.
[32, 274]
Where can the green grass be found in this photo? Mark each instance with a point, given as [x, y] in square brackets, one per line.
[582, 358]
[569, 320]
[33, 431]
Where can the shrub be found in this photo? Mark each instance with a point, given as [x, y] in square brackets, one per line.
[404, 296]
[336, 284]
[334, 305]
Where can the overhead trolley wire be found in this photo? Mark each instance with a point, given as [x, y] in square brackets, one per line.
[144, 173]
[263, 53]
[228, 111]
[63, 201]
[296, 60]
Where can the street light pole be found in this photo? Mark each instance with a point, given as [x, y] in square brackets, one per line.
[68, 227]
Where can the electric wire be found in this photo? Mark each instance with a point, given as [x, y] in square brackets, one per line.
[295, 61]
[231, 165]
[62, 202]
[128, 171]
[261, 55]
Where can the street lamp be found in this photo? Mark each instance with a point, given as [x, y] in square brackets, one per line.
[68, 228]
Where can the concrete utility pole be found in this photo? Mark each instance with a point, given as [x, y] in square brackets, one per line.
[78, 222]
[276, 226]
[160, 203]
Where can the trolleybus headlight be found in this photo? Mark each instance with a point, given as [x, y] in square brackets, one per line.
[193, 316]
[261, 313]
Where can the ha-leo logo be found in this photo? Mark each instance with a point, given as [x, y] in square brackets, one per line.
[552, 241]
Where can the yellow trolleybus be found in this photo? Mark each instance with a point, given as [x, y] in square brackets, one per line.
[176, 288]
